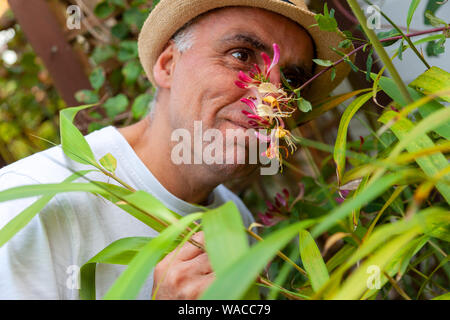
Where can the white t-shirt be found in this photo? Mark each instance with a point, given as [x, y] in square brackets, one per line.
[41, 261]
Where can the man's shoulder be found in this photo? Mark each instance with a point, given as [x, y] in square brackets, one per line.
[42, 167]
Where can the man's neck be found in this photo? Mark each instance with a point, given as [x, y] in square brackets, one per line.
[152, 145]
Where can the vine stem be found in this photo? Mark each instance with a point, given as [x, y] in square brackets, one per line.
[415, 34]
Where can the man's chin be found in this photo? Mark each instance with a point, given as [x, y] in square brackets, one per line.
[232, 171]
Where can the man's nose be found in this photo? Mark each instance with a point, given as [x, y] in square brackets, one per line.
[275, 75]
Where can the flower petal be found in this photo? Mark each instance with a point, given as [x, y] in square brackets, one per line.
[267, 61]
[250, 103]
[276, 58]
[245, 78]
[240, 84]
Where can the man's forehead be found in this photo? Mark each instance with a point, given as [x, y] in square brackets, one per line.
[257, 28]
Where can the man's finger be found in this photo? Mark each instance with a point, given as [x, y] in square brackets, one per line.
[200, 264]
[189, 251]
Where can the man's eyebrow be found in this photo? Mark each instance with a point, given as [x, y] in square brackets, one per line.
[248, 38]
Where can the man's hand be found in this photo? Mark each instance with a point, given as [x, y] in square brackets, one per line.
[184, 274]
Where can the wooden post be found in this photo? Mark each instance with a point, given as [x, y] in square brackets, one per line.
[46, 36]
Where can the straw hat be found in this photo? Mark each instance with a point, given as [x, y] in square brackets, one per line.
[170, 15]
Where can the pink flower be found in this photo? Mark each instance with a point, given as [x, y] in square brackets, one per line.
[276, 211]
[269, 104]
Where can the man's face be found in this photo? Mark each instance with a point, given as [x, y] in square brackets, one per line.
[225, 42]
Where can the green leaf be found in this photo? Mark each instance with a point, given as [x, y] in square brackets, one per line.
[225, 237]
[411, 11]
[97, 78]
[357, 283]
[141, 105]
[50, 188]
[109, 162]
[434, 21]
[445, 296]
[414, 138]
[326, 21]
[148, 203]
[327, 105]
[233, 281]
[102, 53]
[120, 3]
[345, 44]
[104, 9]
[134, 17]
[22, 219]
[120, 252]
[312, 261]
[323, 63]
[370, 193]
[435, 48]
[341, 139]
[369, 64]
[116, 105]
[432, 81]
[73, 142]
[377, 240]
[340, 257]
[87, 96]
[131, 71]
[128, 50]
[388, 34]
[351, 64]
[128, 285]
[120, 30]
[390, 88]
[333, 74]
[304, 105]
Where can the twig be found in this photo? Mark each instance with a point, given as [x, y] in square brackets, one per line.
[414, 34]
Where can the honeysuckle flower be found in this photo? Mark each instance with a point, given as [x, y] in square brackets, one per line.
[269, 104]
[276, 211]
[256, 76]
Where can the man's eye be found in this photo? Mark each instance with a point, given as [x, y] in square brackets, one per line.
[242, 55]
[295, 77]
[294, 82]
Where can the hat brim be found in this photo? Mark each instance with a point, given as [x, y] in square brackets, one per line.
[170, 15]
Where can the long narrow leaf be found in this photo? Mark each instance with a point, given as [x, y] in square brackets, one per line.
[341, 139]
[312, 261]
[225, 237]
[128, 285]
[371, 192]
[404, 129]
[120, 252]
[359, 281]
[389, 87]
[22, 219]
[232, 282]
[73, 143]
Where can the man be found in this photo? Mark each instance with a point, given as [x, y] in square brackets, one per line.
[192, 51]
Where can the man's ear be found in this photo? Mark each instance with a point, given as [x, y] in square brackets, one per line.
[165, 66]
